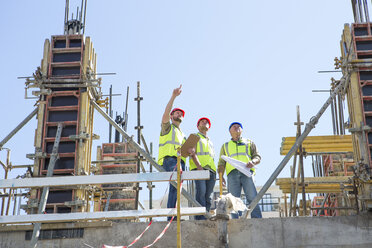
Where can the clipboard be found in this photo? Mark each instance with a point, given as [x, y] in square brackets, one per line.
[191, 142]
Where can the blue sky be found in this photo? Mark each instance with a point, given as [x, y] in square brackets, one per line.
[246, 61]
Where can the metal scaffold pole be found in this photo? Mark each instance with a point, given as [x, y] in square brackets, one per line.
[110, 113]
[139, 135]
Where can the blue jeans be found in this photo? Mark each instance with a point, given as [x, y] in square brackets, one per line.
[235, 182]
[204, 189]
[170, 164]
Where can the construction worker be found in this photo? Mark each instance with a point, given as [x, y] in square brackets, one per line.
[245, 151]
[171, 138]
[203, 159]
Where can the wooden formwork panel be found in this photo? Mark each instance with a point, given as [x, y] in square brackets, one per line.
[66, 56]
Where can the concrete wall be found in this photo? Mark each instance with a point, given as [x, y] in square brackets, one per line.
[343, 231]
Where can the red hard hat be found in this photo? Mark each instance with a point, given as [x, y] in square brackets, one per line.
[178, 109]
[204, 118]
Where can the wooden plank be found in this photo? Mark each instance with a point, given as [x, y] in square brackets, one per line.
[101, 179]
[309, 180]
[316, 184]
[321, 138]
[320, 144]
[321, 150]
[129, 214]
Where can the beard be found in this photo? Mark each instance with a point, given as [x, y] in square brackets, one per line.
[178, 119]
[203, 128]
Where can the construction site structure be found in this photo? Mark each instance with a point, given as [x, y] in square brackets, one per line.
[341, 163]
[357, 44]
[68, 195]
[61, 185]
[67, 83]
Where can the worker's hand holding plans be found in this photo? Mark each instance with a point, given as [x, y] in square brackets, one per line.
[241, 166]
[250, 164]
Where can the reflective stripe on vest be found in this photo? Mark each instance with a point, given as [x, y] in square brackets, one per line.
[169, 143]
[205, 153]
[240, 151]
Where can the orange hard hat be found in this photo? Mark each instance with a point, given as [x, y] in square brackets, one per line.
[204, 118]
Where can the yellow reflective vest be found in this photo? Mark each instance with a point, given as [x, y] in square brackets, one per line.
[205, 153]
[169, 143]
[238, 150]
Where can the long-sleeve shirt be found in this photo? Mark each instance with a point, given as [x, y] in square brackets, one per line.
[256, 158]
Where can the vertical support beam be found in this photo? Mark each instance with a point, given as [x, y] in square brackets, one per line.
[297, 184]
[8, 165]
[303, 181]
[313, 165]
[3, 200]
[139, 134]
[179, 201]
[341, 114]
[40, 120]
[19, 202]
[9, 200]
[15, 201]
[44, 62]
[110, 113]
[86, 58]
[149, 184]
[38, 140]
[353, 91]
[126, 112]
[293, 199]
[301, 160]
[44, 196]
[285, 206]
[96, 204]
[333, 118]
[150, 190]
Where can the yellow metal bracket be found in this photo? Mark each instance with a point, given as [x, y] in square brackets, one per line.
[337, 63]
[103, 103]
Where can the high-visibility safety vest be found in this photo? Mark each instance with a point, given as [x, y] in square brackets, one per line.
[205, 153]
[169, 143]
[238, 150]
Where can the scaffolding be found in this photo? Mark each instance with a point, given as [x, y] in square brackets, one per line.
[341, 163]
[63, 184]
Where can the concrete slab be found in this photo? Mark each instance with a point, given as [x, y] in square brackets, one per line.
[308, 232]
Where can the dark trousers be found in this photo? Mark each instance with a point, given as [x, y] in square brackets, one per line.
[204, 189]
[170, 164]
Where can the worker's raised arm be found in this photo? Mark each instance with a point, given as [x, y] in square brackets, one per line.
[168, 108]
